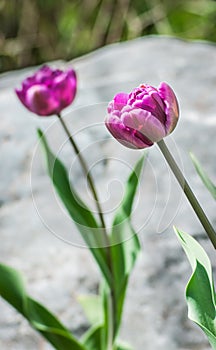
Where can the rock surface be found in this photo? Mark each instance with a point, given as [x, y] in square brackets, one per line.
[37, 236]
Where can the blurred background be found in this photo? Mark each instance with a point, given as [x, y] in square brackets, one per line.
[36, 31]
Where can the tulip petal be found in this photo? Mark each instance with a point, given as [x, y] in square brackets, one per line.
[41, 101]
[120, 100]
[144, 122]
[171, 106]
[153, 104]
[125, 135]
[64, 88]
[43, 74]
[22, 96]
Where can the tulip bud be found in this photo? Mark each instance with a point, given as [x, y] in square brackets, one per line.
[144, 116]
[48, 91]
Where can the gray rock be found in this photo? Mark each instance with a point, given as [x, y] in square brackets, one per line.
[37, 236]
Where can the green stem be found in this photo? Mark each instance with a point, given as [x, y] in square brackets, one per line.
[188, 192]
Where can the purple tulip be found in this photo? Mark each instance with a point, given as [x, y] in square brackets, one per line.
[144, 116]
[48, 91]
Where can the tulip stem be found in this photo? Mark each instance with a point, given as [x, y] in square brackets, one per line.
[188, 192]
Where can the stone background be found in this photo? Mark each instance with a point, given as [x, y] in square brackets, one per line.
[36, 234]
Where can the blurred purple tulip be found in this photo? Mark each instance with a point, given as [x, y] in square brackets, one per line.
[144, 116]
[48, 91]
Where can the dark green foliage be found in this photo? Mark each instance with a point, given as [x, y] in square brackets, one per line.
[32, 32]
[13, 290]
[200, 291]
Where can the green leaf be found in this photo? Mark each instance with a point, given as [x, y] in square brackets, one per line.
[124, 254]
[123, 346]
[204, 177]
[131, 187]
[200, 292]
[126, 251]
[92, 306]
[79, 212]
[12, 289]
[92, 338]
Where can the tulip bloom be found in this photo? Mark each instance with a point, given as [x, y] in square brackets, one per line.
[144, 116]
[48, 91]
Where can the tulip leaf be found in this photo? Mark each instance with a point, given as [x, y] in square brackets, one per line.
[79, 212]
[12, 289]
[92, 339]
[203, 176]
[125, 241]
[92, 306]
[122, 346]
[200, 292]
[109, 314]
